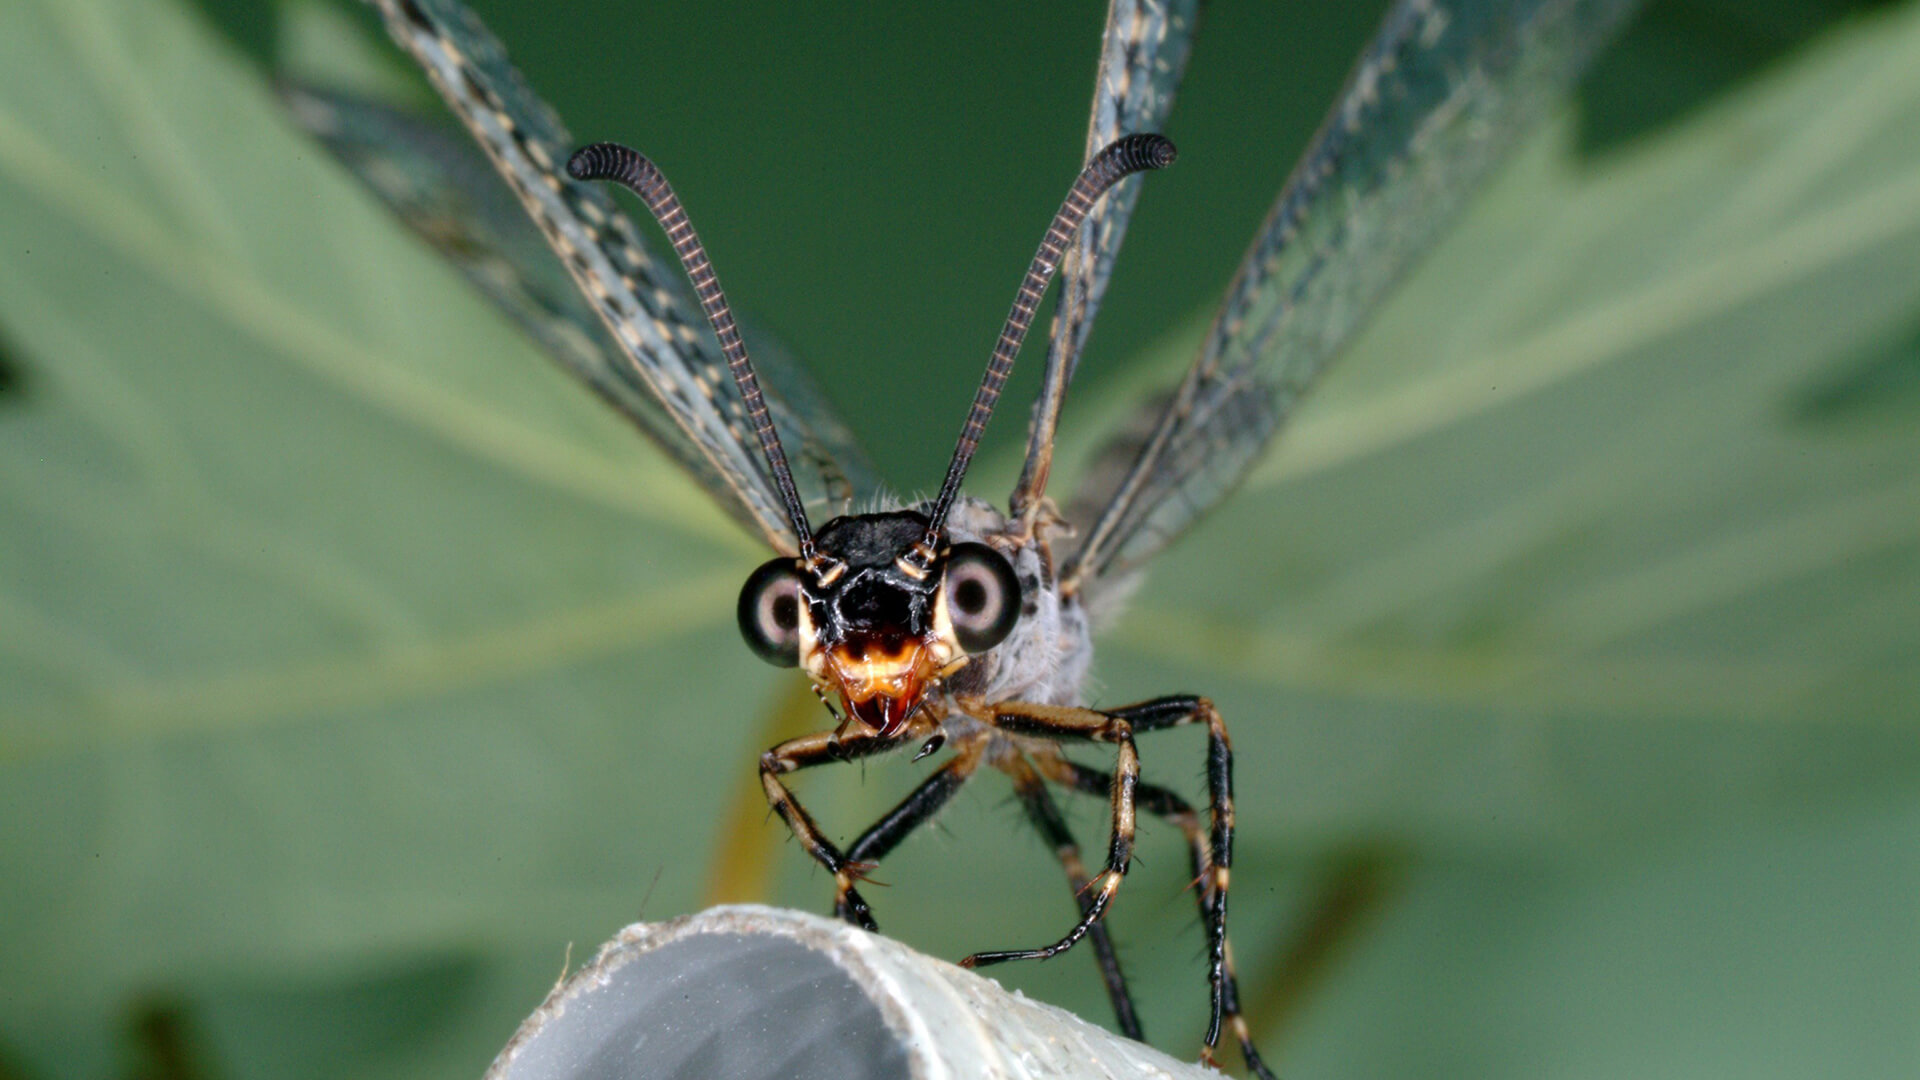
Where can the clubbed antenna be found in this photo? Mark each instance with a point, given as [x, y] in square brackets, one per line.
[631, 169]
[1121, 158]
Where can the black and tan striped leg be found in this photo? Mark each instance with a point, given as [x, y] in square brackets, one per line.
[1170, 806]
[1151, 798]
[1046, 817]
[1065, 723]
[915, 810]
[1211, 851]
[820, 748]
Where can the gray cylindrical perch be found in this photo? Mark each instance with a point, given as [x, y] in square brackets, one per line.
[756, 993]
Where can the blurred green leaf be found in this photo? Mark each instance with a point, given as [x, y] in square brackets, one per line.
[352, 661]
[1776, 948]
[1679, 55]
[335, 623]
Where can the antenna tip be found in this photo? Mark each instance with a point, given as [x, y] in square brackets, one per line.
[589, 162]
[607, 161]
[1140, 152]
[622, 165]
[1158, 150]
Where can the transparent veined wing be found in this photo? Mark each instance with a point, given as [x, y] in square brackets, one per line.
[1143, 56]
[441, 186]
[1438, 95]
[584, 285]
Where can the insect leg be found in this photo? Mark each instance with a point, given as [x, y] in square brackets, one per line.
[1212, 852]
[1062, 722]
[915, 810]
[805, 752]
[1046, 817]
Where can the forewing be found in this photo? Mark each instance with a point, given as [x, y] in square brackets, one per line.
[1143, 56]
[1437, 97]
[624, 322]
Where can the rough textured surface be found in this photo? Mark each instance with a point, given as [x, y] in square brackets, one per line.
[739, 993]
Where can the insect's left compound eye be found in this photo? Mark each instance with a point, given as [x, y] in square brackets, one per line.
[770, 612]
[983, 596]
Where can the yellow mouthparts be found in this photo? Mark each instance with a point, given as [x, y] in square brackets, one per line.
[879, 686]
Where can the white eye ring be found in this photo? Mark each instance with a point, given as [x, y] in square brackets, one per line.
[982, 596]
[770, 614]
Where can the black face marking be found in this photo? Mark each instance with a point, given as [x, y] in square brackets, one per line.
[871, 540]
[871, 599]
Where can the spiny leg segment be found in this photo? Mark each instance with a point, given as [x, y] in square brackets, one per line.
[820, 748]
[918, 808]
[1065, 722]
[1210, 851]
[1046, 817]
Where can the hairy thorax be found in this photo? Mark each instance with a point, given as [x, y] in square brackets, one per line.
[1046, 657]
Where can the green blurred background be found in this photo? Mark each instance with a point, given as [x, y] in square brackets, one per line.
[353, 663]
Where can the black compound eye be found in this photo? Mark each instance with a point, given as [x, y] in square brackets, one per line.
[983, 596]
[770, 612]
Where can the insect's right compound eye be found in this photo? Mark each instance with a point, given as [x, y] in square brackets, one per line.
[770, 612]
[983, 596]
